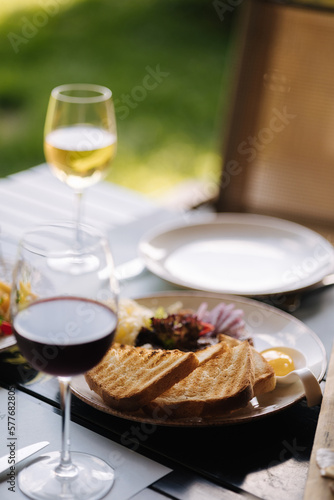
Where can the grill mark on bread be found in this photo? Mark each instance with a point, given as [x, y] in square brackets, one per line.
[223, 383]
[201, 384]
[264, 375]
[127, 377]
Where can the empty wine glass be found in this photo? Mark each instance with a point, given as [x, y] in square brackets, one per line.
[64, 322]
[80, 135]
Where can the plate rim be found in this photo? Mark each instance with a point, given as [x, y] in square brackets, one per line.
[11, 342]
[208, 422]
[238, 218]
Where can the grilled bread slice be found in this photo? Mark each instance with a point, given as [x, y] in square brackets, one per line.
[129, 377]
[265, 379]
[211, 351]
[223, 383]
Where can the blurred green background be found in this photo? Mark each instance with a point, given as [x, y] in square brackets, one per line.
[166, 134]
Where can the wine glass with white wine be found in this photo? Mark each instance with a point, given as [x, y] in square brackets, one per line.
[80, 135]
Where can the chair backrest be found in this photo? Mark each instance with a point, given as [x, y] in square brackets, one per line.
[278, 153]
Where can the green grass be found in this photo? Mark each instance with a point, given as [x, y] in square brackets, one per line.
[171, 134]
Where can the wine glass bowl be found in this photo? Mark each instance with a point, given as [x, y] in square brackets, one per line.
[64, 319]
[80, 135]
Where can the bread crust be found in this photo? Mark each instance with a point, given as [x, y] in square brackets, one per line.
[264, 375]
[218, 379]
[221, 384]
[128, 377]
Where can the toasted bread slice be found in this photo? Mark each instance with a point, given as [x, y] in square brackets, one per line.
[211, 351]
[223, 383]
[129, 377]
[265, 379]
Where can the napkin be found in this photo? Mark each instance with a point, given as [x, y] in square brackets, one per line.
[35, 421]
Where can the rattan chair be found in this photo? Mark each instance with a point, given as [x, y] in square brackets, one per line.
[278, 152]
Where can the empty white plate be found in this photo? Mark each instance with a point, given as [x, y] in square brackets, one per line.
[242, 254]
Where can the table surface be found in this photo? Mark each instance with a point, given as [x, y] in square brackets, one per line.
[264, 459]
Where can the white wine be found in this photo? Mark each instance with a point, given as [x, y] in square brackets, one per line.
[80, 155]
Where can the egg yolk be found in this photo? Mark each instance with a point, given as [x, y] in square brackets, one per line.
[280, 362]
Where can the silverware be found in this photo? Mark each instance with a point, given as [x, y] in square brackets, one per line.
[291, 301]
[295, 301]
[129, 269]
[15, 456]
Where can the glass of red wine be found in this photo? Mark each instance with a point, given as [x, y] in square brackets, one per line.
[64, 320]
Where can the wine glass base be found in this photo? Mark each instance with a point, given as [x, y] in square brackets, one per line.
[40, 481]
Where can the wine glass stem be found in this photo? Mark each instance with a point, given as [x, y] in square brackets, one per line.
[65, 468]
[78, 195]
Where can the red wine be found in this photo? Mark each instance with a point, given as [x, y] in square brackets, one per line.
[64, 336]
